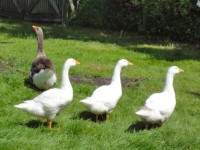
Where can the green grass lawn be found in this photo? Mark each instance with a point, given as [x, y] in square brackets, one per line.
[98, 51]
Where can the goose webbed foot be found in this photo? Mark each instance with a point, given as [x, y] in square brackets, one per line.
[96, 117]
[146, 125]
[49, 125]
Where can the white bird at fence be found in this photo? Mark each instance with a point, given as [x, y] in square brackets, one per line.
[198, 3]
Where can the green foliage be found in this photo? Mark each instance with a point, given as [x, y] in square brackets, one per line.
[176, 20]
[122, 15]
[112, 14]
[92, 13]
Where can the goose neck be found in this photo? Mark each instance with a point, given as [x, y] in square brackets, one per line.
[169, 83]
[116, 75]
[65, 83]
[40, 45]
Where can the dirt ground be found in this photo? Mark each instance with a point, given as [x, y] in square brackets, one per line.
[97, 80]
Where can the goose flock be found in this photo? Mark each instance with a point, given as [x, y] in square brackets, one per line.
[156, 110]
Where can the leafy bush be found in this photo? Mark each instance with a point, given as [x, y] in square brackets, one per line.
[112, 14]
[91, 13]
[178, 20]
[174, 19]
[123, 14]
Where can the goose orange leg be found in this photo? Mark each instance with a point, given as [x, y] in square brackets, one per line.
[96, 117]
[160, 124]
[49, 123]
[146, 125]
[107, 116]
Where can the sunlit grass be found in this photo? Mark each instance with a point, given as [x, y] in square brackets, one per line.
[98, 51]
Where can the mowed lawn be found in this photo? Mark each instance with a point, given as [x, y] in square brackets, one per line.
[98, 52]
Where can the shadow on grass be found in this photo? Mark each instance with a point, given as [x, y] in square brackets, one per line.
[170, 54]
[86, 115]
[36, 124]
[130, 41]
[197, 94]
[3, 42]
[140, 126]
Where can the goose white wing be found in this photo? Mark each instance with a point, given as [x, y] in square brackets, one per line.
[106, 93]
[52, 98]
[154, 101]
[160, 102]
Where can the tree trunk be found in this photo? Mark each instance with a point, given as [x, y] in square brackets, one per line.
[72, 7]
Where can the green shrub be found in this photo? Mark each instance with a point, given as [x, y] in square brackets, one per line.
[111, 14]
[174, 19]
[91, 13]
[123, 14]
[177, 20]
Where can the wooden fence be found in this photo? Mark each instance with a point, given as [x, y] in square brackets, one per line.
[37, 10]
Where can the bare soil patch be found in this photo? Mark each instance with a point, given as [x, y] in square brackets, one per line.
[97, 80]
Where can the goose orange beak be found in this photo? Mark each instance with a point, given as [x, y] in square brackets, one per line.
[181, 70]
[34, 27]
[77, 62]
[130, 63]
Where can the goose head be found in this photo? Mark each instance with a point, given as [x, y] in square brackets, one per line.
[71, 62]
[38, 30]
[123, 62]
[175, 70]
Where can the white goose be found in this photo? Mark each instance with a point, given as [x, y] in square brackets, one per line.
[49, 103]
[198, 3]
[159, 106]
[42, 72]
[105, 98]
